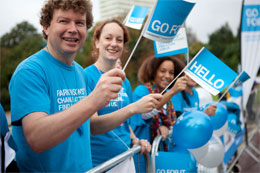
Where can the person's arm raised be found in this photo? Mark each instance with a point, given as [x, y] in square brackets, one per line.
[43, 131]
[180, 85]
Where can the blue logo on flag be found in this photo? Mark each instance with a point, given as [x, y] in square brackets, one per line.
[210, 72]
[138, 15]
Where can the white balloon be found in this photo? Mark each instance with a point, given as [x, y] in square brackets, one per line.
[215, 154]
[200, 152]
[219, 132]
[204, 96]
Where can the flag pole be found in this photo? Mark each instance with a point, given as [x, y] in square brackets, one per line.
[143, 30]
[132, 51]
[231, 85]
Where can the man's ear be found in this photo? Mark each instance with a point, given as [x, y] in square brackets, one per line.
[45, 30]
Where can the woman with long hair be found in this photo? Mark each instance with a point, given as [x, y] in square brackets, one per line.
[156, 74]
[109, 42]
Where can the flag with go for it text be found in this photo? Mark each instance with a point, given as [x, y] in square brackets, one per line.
[166, 18]
[136, 17]
[210, 72]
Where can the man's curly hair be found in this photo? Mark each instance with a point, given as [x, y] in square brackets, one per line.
[81, 6]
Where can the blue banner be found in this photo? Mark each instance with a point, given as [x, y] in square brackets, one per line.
[179, 160]
[251, 18]
[210, 72]
[235, 142]
[250, 43]
[167, 18]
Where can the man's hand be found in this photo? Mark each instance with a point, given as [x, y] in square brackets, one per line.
[108, 87]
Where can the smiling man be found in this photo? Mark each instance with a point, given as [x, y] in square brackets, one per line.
[50, 107]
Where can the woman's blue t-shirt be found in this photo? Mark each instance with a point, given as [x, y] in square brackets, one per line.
[108, 145]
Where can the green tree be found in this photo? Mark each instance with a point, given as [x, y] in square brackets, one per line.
[17, 34]
[225, 46]
[17, 45]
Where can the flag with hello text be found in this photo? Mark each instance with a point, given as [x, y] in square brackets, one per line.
[210, 72]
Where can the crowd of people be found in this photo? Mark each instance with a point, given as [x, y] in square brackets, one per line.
[67, 118]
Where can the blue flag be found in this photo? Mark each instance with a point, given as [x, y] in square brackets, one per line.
[136, 17]
[210, 72]
[177, 46]
[166, 19]
[241, 79]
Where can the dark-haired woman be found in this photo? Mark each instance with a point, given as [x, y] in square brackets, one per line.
[156, 74]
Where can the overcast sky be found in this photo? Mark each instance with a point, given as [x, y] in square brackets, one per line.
[205, 17]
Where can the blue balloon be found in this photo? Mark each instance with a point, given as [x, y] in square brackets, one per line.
[176, 160]
[220, 117]
[192, 130]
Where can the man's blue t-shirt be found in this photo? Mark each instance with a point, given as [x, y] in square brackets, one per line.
[108, 145]
[182, 106]
[42, 83]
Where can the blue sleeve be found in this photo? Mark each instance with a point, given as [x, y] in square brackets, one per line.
[137, 120]
[4, 123]
[177, 101]
[140, 91]
[92, 78]
[5, 129]
[28, 93]
[129, 90]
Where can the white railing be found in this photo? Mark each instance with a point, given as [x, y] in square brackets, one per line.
[121, 157]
